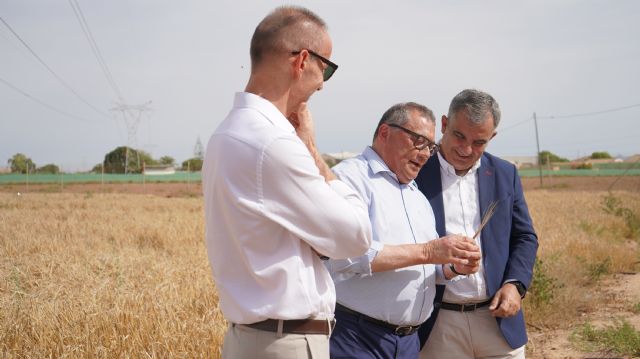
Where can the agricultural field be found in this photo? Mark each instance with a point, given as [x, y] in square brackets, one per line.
[121, 270]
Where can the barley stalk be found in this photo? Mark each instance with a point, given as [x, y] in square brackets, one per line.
[486, 217]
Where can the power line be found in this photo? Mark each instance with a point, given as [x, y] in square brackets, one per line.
[94, 48]
[516, 124]
[616, 109]
[42, 103]
[64, 83]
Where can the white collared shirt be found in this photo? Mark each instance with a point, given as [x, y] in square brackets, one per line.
[267, 212]
[399, 214]
[460, 196]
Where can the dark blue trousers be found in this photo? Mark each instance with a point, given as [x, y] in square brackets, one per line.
[354, 337]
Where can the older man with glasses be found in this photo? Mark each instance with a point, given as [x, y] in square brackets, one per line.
[384, 295]
[273, 207]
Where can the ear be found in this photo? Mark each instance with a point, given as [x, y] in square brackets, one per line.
[384, 131]
[444, 123]
[299, 63]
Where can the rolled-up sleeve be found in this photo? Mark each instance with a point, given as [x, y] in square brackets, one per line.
[356, 266]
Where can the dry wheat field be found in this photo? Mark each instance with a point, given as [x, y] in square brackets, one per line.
[101, 275]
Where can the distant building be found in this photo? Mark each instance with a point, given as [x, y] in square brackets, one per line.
[522, 161]
[5, 170]
[159, 170]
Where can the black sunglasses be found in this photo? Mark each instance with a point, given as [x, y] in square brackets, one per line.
[419, 141]
[329, 70]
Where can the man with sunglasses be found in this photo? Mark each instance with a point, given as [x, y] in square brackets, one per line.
[273, 208]
[480, 314]
[384, 295]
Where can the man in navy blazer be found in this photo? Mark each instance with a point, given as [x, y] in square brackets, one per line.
[478, 315]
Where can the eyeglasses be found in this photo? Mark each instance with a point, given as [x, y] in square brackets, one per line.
[329, 70]
[419, 141]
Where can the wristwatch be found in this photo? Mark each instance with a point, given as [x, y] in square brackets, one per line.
[520, 287]
[453, 269]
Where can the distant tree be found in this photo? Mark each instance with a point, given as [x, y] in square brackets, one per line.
[146, 158]
[49, 168]
[192, 164]
[21, 163]
[167, 161]
[97, 168]
[546, 156]
[600, 155]
[116, 160]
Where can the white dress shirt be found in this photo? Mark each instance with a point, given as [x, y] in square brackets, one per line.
[268, 212]
[462, 216]
[399, 214]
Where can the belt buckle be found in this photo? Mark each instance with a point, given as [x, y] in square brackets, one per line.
[466, 308]
[404, 330]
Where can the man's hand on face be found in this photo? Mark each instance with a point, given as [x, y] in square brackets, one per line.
[455, 249]
[302, 121]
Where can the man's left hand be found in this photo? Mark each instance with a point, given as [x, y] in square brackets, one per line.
[506, 302]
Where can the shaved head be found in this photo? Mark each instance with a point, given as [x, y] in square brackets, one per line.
[287, 28]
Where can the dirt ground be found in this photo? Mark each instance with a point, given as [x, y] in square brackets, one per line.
[622, 292]
[159, 189]
[629, 183]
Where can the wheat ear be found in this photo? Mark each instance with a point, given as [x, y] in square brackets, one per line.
[485, 219]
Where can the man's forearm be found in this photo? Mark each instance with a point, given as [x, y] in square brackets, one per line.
[398, 256]
[325, 171]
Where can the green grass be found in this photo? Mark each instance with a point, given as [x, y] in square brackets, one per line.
[621, 338]
[543, 285]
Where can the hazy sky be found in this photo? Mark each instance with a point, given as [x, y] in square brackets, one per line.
[555, 58]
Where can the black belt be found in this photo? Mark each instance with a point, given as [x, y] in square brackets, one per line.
[302, 326]
[399, 330]
[464, 307]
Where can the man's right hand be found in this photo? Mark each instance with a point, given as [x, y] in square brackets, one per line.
[455, 249]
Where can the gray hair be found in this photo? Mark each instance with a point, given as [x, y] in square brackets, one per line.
[287, 28]
[477, 105]
[398, 114]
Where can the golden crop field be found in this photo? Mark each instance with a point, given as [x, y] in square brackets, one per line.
[97, 275]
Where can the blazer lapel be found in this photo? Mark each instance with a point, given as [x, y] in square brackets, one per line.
[487, 194]
[432, 189]
[486, 185]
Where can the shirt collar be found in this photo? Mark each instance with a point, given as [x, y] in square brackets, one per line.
[447, 168]
[377, 165]
[265, 107]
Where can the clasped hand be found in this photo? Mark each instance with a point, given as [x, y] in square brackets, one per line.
[455, 249]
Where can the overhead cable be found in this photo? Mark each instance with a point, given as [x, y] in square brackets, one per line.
[62, 81]
[95, 49]
[616, 109]
[42, 103]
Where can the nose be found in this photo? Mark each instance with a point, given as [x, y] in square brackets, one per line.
[465, 149]
[423, 155]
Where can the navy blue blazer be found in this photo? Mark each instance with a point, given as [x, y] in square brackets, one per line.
[509, 242]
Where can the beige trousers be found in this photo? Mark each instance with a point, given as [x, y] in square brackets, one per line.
[242, 342]
[468, 335]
